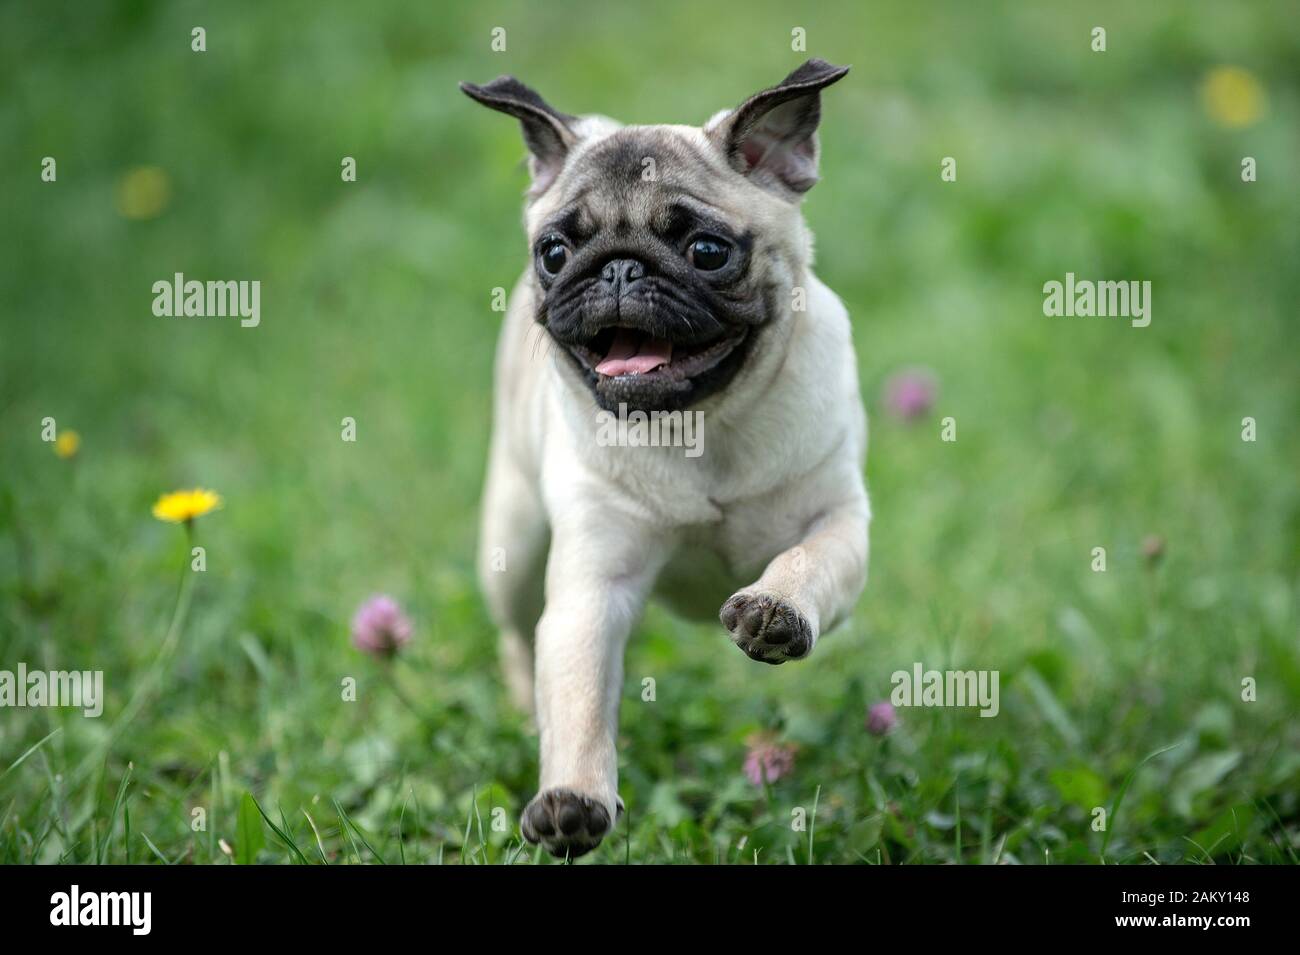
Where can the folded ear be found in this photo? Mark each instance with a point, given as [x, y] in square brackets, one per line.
[772, 136]
[548, 133]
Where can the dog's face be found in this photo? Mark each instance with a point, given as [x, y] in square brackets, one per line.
[664, 257]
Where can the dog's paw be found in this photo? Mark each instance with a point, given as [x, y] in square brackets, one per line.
[568, 824]
[767, 627]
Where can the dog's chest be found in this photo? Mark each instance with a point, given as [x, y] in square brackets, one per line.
[713, 560]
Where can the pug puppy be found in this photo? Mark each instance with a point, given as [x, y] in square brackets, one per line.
[670, 275]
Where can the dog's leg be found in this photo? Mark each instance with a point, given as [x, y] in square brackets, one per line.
[600, 570]
[512, 554]
[805, 590]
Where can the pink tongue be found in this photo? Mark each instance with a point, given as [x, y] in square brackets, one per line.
[634, 353]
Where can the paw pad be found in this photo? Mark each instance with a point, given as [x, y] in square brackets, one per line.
[767, 627]
[566, 823]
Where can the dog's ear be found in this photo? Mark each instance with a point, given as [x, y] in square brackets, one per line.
[772, 136]
[548, 133]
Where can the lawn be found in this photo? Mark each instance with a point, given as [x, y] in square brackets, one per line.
[229, 690]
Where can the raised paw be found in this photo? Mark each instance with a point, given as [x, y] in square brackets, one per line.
[566, 823]
[767, 627]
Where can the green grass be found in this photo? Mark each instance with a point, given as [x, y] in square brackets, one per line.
[1119, 689]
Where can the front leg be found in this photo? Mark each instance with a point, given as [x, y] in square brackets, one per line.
[805, 590]
[600, 570]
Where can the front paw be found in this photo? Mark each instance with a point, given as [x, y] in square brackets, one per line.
[767, 627]
[568, 824]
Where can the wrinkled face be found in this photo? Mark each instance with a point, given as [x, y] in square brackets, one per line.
[664, 257]
[647, 283]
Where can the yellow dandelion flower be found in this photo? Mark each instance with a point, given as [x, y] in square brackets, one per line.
[1232, 96]
[66, 444]
[180, 507]
[143, 192]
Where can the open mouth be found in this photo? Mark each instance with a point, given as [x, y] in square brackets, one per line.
[620, 351]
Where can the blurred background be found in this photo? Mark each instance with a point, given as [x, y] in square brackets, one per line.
[1073, 433]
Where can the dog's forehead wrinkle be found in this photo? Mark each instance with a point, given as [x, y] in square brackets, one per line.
[639, 173]
[628, 149]
[637, 156]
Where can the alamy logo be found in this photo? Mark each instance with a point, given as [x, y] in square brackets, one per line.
[1085, 298]
[103, 908]
[654, 429]
[197, 299]
[79, 688]
[923, 687]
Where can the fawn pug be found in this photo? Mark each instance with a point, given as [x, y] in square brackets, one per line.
[670, 272]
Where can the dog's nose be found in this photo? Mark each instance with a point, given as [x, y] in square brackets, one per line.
[618, 272]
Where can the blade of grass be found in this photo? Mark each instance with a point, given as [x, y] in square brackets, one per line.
[358, 832]
[510, 859]
[33, 748]
[40, 841]
[320, 846]
[469, 820]
[812, 823]
[1277, 819]
[401, 839]
[1119, 797]
[482, 843]
[153, 848]
[346, 833]
[112, 816]
[249, 838]
[281, 833]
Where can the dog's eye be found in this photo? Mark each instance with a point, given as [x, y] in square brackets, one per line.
[553, 256]
[708, 253]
